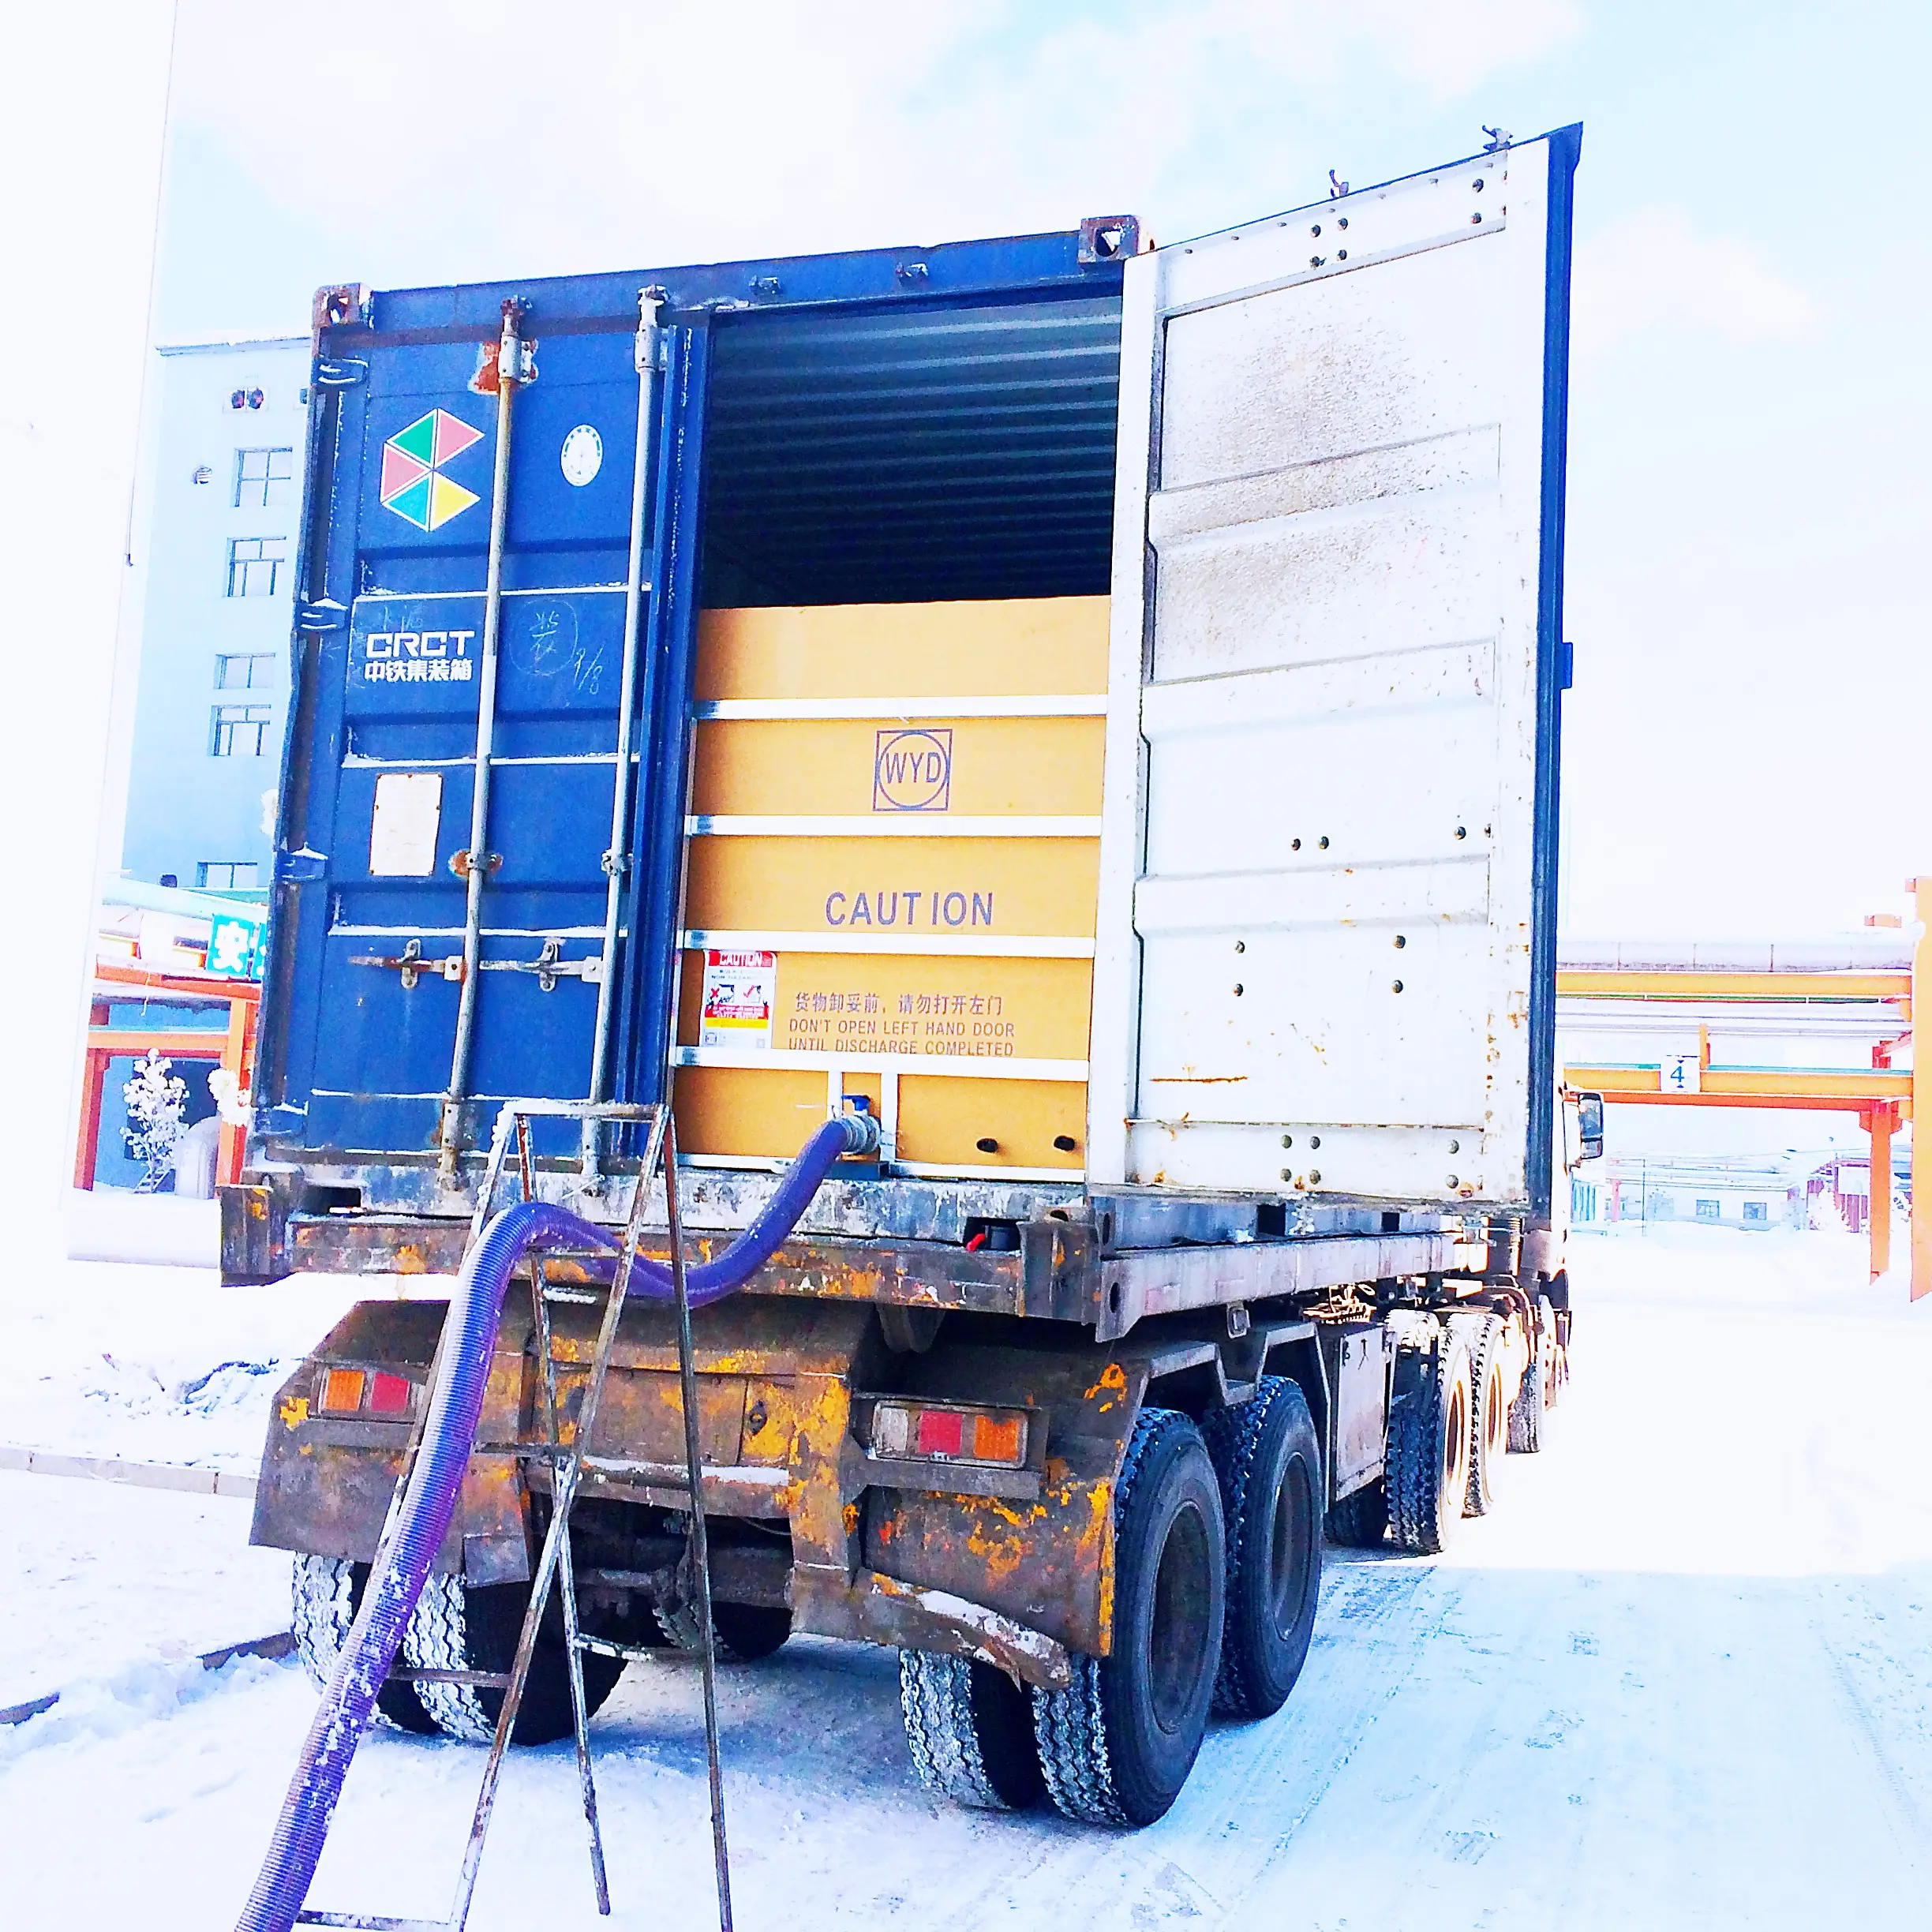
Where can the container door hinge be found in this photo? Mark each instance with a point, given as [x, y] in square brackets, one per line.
[648, 351]
[1108, 238]
[548, 968]
[324, 614]
[464, 864]
[615, 864]
[411, 964]
[300, 868]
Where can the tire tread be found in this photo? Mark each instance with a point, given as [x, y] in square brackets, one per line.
[1069, 1726]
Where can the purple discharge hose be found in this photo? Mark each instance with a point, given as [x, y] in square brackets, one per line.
[430, 1501]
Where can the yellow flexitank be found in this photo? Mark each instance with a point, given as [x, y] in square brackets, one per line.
[895, 896]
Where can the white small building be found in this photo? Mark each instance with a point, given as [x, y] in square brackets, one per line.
[216, 551]
[1751, 1191]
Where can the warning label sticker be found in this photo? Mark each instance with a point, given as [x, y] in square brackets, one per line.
[740, 990]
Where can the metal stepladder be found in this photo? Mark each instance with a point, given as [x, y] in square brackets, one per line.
[568, 1465]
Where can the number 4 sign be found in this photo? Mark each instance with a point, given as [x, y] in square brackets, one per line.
[1677, 1073]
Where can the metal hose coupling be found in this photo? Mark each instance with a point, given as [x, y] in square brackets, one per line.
[862, 1127]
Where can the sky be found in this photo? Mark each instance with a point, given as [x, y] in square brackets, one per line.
[1749, 505]
[1749, 501]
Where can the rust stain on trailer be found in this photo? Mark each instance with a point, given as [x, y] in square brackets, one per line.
[1110, 1388]
[1095, 1545]
[294, 1411]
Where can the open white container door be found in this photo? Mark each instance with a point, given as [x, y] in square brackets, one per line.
[1327, 895]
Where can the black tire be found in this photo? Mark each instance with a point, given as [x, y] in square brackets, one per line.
[969, 1728]
[1116, 1746]
[1360, 1520]
[1526, 1412]
[1481, 1333]
[457, 1625]
[1428, 1441]
[1268, 1463]
[747, 1632]
[742, 1632]
[326, 1593]
[1556, 1373]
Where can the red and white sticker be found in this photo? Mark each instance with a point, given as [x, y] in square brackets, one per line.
[740, 991]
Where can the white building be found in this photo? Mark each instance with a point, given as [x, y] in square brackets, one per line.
[220, 534]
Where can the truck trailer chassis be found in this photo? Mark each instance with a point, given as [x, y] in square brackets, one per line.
[916, 1444]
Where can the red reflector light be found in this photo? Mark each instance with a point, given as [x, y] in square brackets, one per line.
[342, 1391]
[391, 1395]
[942, 1431]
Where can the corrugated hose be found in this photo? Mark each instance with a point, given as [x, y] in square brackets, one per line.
[429, 1503]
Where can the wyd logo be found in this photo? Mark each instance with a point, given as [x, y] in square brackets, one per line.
[413, 483]
[912, 771]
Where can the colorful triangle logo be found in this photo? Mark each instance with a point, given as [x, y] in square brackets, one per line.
[446, 499]
[413, 485]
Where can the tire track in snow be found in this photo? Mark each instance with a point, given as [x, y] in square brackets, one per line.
[1207, 1852]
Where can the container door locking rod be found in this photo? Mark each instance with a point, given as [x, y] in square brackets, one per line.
[568, 1462]
[647, 356]
[513, 370]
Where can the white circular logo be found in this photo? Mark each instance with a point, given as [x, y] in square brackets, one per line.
[583, 455]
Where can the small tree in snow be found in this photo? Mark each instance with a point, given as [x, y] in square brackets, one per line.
[155, 1097]
[1827, 1216]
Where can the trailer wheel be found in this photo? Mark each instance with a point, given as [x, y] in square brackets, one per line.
[969, 1728]
[1269, 1465]
[1482, 1334]
[457, 1625]
[1428, 1441]
[749, 1631]
[327, 1591]
[1360, 1520]
[1556, 1377]
[743, 1633]
[1116, 1746]
[1532, 1400]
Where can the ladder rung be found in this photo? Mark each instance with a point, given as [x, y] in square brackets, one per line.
[529, 1452]
[371, 1923]
[582, 1296]
[631, 1653]
[483, 1680]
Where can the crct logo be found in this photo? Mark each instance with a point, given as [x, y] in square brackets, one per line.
[912, 771]
[413, 459]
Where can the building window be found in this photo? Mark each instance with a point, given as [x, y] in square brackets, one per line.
[255, 565]
[225, 874]
[243, 671]
[247, 399]
[239, 731]
[1757, 1214]
[262, 477]
[1707, 1211]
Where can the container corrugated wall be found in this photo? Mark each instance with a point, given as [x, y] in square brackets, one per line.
[892, 867]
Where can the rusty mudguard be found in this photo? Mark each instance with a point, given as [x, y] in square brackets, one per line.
[328, 1474]
[1011, 1567]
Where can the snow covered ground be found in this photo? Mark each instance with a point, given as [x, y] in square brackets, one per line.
[1682, 1678]
[153, 1365]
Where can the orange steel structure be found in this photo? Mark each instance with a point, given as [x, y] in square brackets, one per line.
[234, 1047]
[1882, 1095]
